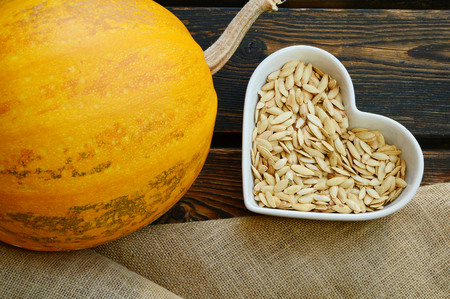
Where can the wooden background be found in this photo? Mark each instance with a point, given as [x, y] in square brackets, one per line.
[345, 4]
[397, 53]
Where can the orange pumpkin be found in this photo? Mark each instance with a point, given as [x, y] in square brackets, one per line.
[107, 110]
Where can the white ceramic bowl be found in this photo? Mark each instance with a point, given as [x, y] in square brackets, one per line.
[393, 132]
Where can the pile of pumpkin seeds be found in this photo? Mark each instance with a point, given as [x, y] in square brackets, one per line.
[303, 155]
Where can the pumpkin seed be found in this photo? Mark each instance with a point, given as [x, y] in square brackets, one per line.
[336, 181]
[302, 170]
[304, 207]
[288, 68]
[306, 199]
[333, 92]
[303, 155]
[341, 208]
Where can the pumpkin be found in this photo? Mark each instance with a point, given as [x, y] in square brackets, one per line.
[107, 111]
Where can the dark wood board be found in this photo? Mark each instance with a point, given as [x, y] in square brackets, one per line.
[347, 4]
[399, 60]
[217, 192]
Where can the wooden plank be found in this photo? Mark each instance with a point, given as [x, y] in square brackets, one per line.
[217, 192]
[399, 60]
[348, 4]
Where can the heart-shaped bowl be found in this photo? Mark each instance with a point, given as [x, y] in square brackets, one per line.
[394, 133]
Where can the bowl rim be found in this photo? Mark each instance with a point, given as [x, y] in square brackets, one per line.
[247, 176]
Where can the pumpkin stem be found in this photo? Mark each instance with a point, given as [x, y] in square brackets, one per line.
[221, 51]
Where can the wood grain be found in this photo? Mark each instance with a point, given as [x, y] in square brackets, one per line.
[217, 192]
[348, 4]
[399, 60]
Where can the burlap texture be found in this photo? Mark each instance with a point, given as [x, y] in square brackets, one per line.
[71, 275]
[405, 255]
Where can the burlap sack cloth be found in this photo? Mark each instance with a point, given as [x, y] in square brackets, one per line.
[405, 255]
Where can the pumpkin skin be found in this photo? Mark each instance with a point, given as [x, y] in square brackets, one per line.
[107, 111]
